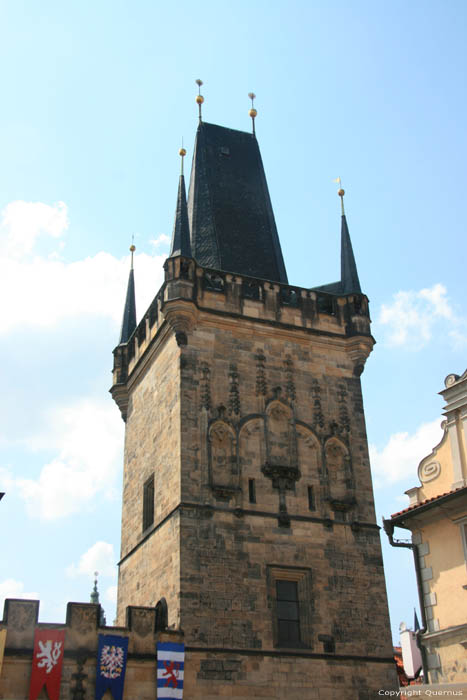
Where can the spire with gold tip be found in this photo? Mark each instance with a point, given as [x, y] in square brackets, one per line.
[199, 98]
[349, 275]
[253, 113]
[95, 599]
[129, 312]
[181, 244]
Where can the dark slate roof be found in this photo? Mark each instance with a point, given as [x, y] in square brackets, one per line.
[349, 282]
[129, 312]
[231, 219]
[181, 231]
[349, 275]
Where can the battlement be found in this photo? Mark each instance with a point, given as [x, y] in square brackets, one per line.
[82, 628]
[191, 291]
[20, 619]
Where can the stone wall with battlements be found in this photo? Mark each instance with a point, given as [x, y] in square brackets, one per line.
[20, 619]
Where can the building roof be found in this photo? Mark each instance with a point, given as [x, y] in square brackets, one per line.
[129, 312]
[349, 275]
[429, 502]
[231, 219]
[181, 230]
[349, 282]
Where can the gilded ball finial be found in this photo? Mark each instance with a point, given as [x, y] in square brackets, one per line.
[199, 97]
[341, 192]
[132, 248]
[182, 152]
[253, 113]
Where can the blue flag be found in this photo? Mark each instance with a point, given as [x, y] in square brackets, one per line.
[111, 665]
[170, 670]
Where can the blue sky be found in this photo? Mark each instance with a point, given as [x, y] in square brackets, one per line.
[96, 99]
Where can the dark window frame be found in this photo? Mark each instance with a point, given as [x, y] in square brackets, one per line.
[148, 503]
[252, 490]
[305, 604]
[311, 498]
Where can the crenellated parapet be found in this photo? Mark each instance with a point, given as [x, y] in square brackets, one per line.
[82, 629]
[191, 292]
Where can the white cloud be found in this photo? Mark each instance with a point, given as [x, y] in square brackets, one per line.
[400, 457]
[161, 240]
[6, 479]
[87, 436]
[23, 222]
[11, 588]
[414, 317]
[100, 557]
[111, 594]
[43, 292]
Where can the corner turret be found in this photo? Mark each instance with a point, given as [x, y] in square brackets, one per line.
[181, 231]
[129, 312]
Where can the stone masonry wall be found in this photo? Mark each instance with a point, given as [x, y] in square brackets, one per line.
[150, 560]
[268, 478]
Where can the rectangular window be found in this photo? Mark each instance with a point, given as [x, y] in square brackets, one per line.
[311, 498]
[291, 602]
[288, 618]
[252, 490]
[148, 503]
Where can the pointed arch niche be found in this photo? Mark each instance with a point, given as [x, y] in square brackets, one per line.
[340, 489]
[280, 434]
[223, 468]
[309, 495]
[257, 491]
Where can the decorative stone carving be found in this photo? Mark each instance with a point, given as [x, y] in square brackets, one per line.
[344, 418]
[280, 443]
[79, 692]
[251, 456]
[309, 461]
[289, 382]
[222, 452]
[83, 617]
[21, 615]
[141, 620]
[318, 417]
[261, 385]
[234, 394]
[338, 471]
[205, 388]
[282, 477]
[181, 338]
[428, 472]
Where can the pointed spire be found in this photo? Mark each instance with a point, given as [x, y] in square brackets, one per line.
[95, 599]
[129, 312]
[349, 275]
[181, 232]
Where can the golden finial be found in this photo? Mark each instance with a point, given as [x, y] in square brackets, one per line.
[132, 250]
[182, 154]
[199, 97]
[252, 111]
[341, 193]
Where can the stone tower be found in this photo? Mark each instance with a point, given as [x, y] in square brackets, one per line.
[247, 496]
